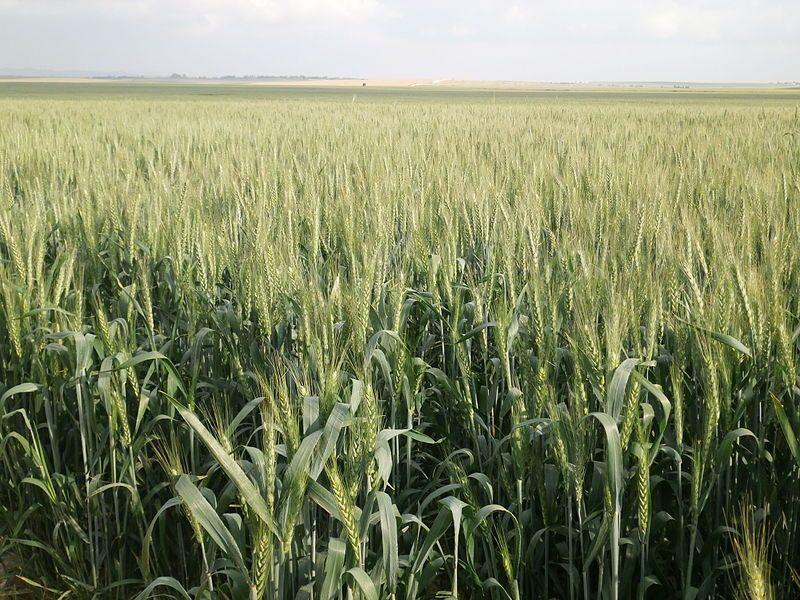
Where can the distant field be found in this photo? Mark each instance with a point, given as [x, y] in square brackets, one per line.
[374, 343]
[464, 92]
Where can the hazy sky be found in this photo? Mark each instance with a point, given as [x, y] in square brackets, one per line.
[565, 40]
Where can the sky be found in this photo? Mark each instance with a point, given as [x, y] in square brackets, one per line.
[525, 40]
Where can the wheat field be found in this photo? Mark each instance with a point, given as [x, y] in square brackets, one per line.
[304, 346]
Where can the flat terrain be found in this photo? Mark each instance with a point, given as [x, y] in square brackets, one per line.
[383, 91]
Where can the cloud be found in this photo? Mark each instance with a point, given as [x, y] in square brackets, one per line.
[207, 11]
[56, 8]
[674, 19]
[710, 20]
[516, 14]
[300, 10]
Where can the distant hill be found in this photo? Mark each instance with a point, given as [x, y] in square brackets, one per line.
[9, 72]
[47, 73]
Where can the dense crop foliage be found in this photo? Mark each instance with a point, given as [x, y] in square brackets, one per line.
[326, 349]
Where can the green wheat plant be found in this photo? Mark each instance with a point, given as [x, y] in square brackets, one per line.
[305, 348]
